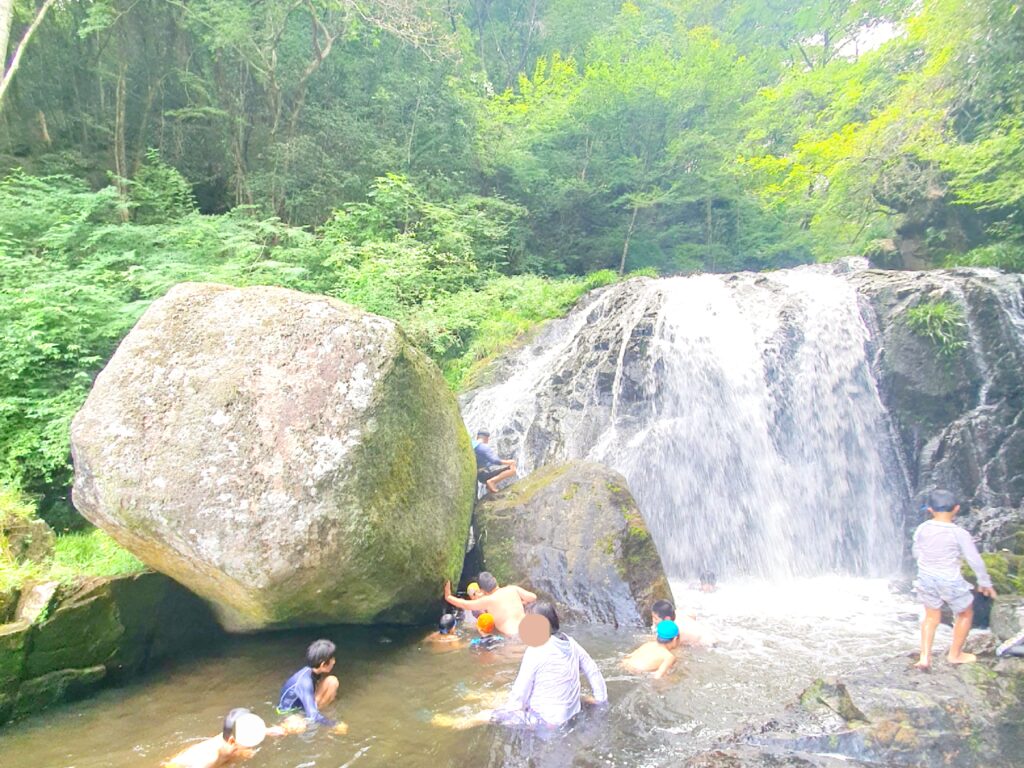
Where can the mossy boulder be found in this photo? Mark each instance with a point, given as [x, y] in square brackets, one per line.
[573, 533]
[28, 539]
[276, 453]
[81, 633]
[56, 687]
[13, 639]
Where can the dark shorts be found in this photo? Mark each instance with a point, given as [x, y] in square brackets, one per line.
[485, 474]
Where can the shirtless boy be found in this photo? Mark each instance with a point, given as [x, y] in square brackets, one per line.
[656, 655]
[446, 634]
[223, 748]
[505, 604]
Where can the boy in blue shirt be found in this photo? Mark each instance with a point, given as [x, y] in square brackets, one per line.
[313, 687]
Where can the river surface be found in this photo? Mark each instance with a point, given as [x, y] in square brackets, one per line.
[775, 638]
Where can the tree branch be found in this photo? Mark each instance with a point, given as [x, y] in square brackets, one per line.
[8, 73]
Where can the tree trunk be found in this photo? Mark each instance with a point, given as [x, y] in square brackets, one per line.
[120, 151]
[629, 234]
[6, 14]
[5, 21]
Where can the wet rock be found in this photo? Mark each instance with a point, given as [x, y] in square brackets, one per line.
[1007, 617]
[57, 687]
[958, 408]
[13, 638]
[276, 452]
[82, 633]
[893, 715]
[573, 533]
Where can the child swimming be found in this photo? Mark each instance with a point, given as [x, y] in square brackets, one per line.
[656, 655]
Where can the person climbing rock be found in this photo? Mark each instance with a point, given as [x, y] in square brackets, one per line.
[491, 469]
[505, 604]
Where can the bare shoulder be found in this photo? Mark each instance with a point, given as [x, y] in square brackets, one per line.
[205, 754]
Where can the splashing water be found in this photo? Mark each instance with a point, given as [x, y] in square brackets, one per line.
[740, 408]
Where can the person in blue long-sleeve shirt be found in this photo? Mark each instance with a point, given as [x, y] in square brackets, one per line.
[313, 687]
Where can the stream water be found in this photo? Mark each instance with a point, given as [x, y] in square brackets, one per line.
[776, 637]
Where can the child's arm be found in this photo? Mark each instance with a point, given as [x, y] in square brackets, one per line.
[666, 665]
[526, 596]
[970, 553]
[307, 698]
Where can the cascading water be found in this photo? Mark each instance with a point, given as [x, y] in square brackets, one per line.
[740, 408]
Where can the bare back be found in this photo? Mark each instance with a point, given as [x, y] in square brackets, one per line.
[210, 753]
[505, 604]
[652, 656]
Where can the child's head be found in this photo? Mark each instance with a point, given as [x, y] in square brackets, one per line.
[243, 728]
[487, 582]
[473, 590]
[320, 656]
[446, 624]
[708, 580]
[663, 610]
[942, 502]
[485, 623]
[668, 633]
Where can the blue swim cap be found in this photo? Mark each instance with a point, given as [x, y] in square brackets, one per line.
[667, 630]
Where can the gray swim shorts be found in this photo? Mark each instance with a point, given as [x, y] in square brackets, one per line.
[933, 592]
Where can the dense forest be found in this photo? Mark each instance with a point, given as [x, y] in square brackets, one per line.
[470, 167]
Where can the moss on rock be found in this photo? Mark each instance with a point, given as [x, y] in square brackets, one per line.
[573, 533]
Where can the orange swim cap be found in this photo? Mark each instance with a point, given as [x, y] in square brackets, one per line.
[485, 623]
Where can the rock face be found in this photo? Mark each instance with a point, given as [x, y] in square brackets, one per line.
[966, 716]
[95, 633]
[957, 408]
[291, 459]
[572, 533]
[713, 394]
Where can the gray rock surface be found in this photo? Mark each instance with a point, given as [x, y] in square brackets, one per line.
[291, 459]
[573, 533]
[893, 715]
[958, 412]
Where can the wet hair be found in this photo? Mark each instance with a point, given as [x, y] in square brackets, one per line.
[664, 610]
[487, 581]
[707, 576]
[482, 433]
[941, 500]
[319, 652]
[446, 624]
[231, 719]
[547, 610]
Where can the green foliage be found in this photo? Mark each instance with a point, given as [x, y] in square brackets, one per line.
[942, 323]
[76, 556]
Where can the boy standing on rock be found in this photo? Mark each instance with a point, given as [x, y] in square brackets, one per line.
[939, 548]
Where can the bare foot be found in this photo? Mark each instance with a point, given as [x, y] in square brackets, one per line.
[963, 658]
[339, 728]
[492, 489]
[923, 664]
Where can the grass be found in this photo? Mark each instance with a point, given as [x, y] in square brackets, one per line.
[76, 555]
[942, 323]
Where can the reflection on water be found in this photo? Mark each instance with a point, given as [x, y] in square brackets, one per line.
[776, 637]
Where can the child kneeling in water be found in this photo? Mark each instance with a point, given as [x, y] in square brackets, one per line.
[446, 633]
[656, 655]
[313, 687]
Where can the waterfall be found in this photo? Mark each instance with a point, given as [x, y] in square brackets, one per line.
[740, 408]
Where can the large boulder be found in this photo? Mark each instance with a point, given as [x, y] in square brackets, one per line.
[291, 459]
[573, 533]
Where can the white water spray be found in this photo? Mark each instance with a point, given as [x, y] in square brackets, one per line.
[740, 408]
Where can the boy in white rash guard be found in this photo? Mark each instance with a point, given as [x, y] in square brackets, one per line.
[939, 547]
[547, 690]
